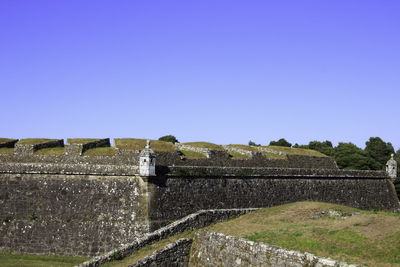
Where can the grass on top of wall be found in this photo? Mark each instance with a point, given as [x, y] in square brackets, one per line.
[204, 145]
[296, 151]
[77, 141]
[139, 144]
[6, 150]
[35, 141]
[188, 154]
[54, 151]
[327, 230]
[100, 151]
[31, 260]
[5, 140]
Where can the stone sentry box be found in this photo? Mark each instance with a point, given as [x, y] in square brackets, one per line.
[147, 161]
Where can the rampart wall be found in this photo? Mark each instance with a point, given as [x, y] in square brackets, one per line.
[70, 214]
[185, 190]
[89, 205]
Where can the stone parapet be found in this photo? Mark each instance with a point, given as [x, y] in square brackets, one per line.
[238, 150]
[205, 151]
[29, 149]
[79, 149]
[9, 143]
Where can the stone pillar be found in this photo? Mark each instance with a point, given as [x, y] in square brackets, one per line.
[391, 168]
[147, 161]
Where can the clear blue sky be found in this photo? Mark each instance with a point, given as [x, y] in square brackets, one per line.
[218, 71]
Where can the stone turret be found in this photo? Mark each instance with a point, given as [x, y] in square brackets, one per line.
[147, 161]
[391, 168]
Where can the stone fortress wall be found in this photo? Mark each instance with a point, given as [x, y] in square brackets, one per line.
[78, 205]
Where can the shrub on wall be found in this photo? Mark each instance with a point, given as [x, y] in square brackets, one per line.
[280, 142]
[169, 138]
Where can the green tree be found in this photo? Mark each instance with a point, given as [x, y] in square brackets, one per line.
[280, 142]
[300, 146]
[169, 138]
[325, 147]
[251, 143]
[349, 156]
[379, 150]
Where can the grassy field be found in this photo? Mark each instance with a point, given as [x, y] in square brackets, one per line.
[204, 145]
[34, 141]
[334, 231]
[76, 141]
[139, 144]
[296, 151]
[26, 260]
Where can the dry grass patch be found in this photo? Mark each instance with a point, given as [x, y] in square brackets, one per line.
[139, 144]
[204, 145]
[296, 151]
[326, 230]
[100, 151]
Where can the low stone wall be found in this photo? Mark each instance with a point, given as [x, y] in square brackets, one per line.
[9, 144]
[196, 220]
[79, 149]
[180, 146]
[216, 249]
[27, 149]
[238, 150]
[174, 254]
